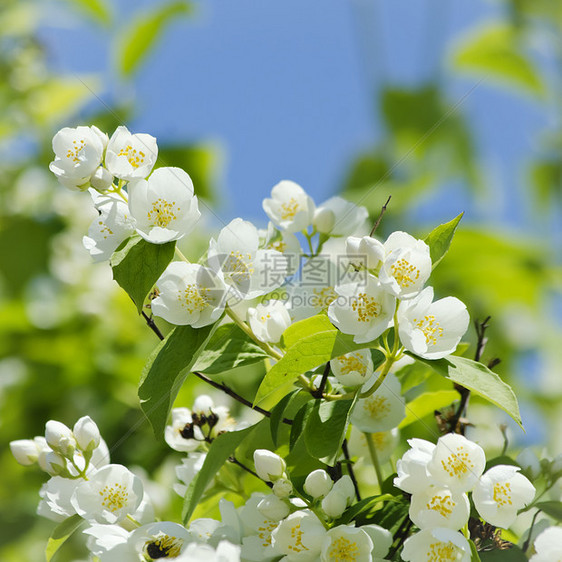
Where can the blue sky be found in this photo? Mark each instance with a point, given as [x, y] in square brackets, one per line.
[286, 90]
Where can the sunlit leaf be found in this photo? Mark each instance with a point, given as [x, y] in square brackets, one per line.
[426, 404]
[440, 238]
[61, 533]
[98, 10]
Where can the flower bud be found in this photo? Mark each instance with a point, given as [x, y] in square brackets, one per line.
[282, 488]
[334, 504]
[87, 434]
[269, 466]
[25, 451]
[324, 220]
[52, 463]
[101, 179]
[60, 438]
[273, 508]
[318, 483]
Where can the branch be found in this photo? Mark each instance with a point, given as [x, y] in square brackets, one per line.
[319, 392]
[350, 469]
[383, 209]
[235, 461]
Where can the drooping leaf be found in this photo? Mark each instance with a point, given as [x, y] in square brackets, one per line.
[309, 343]
[426, 404]
[325, 428]
[166, 370]
[439, 239]
[229, 347]
[552, 509]
[299, 422]
[277, 414]
[137, 40]
[137, 265]
[220, 450]
[98, 10]
[495, 52]
[61, 533]
[479, 380]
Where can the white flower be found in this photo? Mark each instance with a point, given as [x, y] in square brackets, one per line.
[101, 179]
[339, 498]
[407, 265]
[160, 540]
[258, 526]
[113, 225]
[365, 311]
[225, 552]
[25, 451]
[299, 537]
[110, 494]
[353, 368]
[269, 320]
[129, 156]
[346, 543]
[287, 244]
[382, 540]
[457, 462]
[273, 507]
[269, 466]
[437, 544]
[110, 543]
[365, 251]
[249, 271]
[59, 437]
[189, 294]
[412, 467]
[164, 206]
[548, 546]
[86, 433]
[78, 153]
[439, 507]
[432, 329]
[216, 418]
[339, 217]
[282, 488]
[385, 443]
[183, 435]
[500, 493]
[318, 483]
[381, 411]
[289, 208]
[53, 463]
[55, 498]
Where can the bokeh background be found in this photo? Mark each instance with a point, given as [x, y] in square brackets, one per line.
[448, 106]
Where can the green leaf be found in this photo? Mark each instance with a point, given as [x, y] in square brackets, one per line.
[229, 347]
[97, 10]
[166, 370]
[138, 264]
[426, 404]
[219, 452]
[473, 552]
[61, 533]
[495, 52]
[552, 509]
[513, 554]
[277, 414]
[479, 380]
[137, 40]
[325, 428]
[439, 239]
[364, 506]
[299, 422]
[309, 343]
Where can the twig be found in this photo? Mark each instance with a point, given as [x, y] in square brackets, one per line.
[350, 471]
[383, 209]
[318, 393]
[235, 461]
[220, 386]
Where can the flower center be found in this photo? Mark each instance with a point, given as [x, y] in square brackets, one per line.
[366, 307]
[377, 407]
[352, 364]
[343, 550]
[323, 298]
[162, 213]
[442, 504]
[296, 536]
[442, 552]
[265, 317]
[457, 464]
[105, 230]
[237, 266]
[502, 494]
[134, 157]
[405, 273]
[74, 152]
[194, 298]
[280, 246]
[289, 209]
[114, 497]
[264, 532]
[430, 328]
[163, 546]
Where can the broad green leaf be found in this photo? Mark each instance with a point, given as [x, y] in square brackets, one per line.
[138, 264]
[513, 554]
[137, 40]
[439, 239]
[365, 505]
[309, 343]
[495, 52]
[229, 347]
[61, 533]
[552, 509]
[479, 380]
[299, 422]
[166, 370]
[474, 557]
[98, 10]
[426, 404]
[277, 414]
[219, 452]
[325, 428]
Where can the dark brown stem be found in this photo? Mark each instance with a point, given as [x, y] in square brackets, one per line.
[383, 209]
[220, 386]
[349, 465]
[320, 390]
[235, 461]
